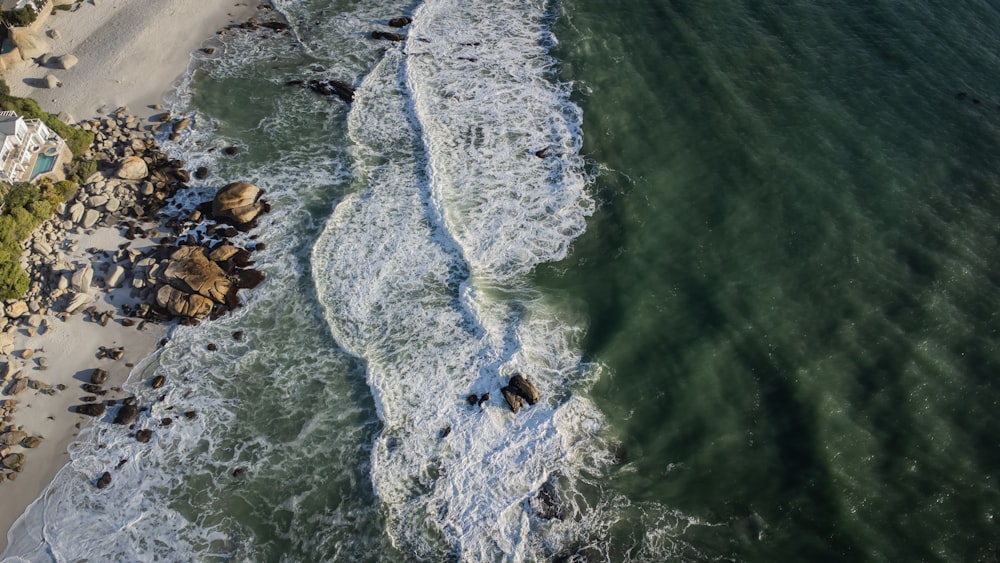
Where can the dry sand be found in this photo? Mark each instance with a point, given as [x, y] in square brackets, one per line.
[130, 52]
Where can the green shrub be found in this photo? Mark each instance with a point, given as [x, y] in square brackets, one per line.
[20, 195]
[82, 169]
[13, 281]
[77, 140]
[22, 17]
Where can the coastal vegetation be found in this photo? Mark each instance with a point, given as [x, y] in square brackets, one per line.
[77, 140]
[24, 206]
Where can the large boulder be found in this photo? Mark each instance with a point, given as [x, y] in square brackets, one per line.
[90, 409]
[64, 62]
[51, 81]
[238, 202]
[191, 271]
[12, 462]
[31, 44]
[524, 388]
[181, 304]
[133, 168]
[17, 309]
[6, 344]
[82, 279]
[12, 438]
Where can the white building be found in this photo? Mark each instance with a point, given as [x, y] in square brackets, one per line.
[27, 148]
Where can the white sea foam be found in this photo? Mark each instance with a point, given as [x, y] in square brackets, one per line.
[423, 275]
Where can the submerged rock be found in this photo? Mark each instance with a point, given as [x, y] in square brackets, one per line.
[387, 35]
[104, 480]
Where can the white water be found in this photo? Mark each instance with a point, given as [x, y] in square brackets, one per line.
[423, 274]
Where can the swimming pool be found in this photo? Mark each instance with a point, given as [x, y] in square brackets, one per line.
[44, 163]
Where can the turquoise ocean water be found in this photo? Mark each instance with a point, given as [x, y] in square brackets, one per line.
[754, 274]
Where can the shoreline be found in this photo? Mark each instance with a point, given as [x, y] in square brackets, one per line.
[129, 53]
[53, 351]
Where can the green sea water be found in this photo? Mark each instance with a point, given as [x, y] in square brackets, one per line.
[792, 275]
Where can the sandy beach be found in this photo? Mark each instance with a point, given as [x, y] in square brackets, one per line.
[129, 52]
[123, 61]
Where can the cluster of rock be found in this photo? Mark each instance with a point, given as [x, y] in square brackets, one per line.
[192, 272]
[332, 88]
[517, 392]
[170, 266]
[13, 438]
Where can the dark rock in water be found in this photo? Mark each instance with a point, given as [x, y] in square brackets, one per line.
[201, 173]
[166, 422]
[190, 415]
[620, 453]
[104, 480]
[546, 503]
[158, 382]
[514, 400]
[127, 414]
[484, 398]
[259, 246]
[231, 151]
[99, 377]
[275, 26]
[443, 433]
[524, 388]
[95, 389]
[960, 96]
[212, 347]
[400, 22]
[387, 35]
[143, 436]
[90, 409]
[329, 88]
[239, 472]
[249, 279]
[472, 399]
[239, 336]
[541, 153]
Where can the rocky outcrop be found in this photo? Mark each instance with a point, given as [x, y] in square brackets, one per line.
[238, 203]
[190, 271]
[400, 22]
[181, 304]
[524, 388]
